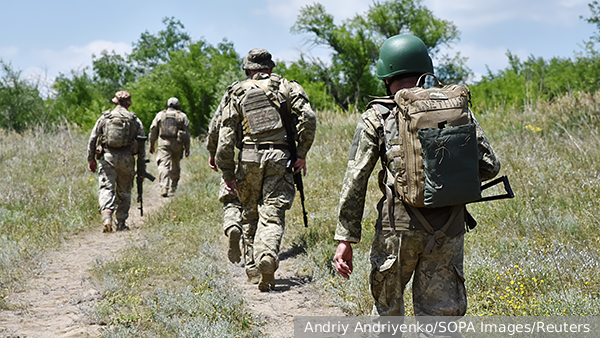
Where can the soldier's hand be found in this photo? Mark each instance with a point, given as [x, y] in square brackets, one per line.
[300, 165]
[151, 149]
[187, 152]
[212, 164]
[231, 186]
[92, 165]
[343, 259]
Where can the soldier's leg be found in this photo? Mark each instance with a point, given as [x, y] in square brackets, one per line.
[163, 161]
[107, 177]
[439, 284]
[176, 155]
[249, 176]
[278, 195]
[125, 176]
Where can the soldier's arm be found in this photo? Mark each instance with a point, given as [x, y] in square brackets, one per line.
[489, 164]
[307, 119]
[154, 129]
[93, 140]
[225, 153]
[186, 129]
[364, 154]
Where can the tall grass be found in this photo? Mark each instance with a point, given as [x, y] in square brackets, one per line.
[47, 194]
[536, 254]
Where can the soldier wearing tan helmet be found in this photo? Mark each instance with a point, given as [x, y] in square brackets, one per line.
[113, 144]
[263, 178]
[172, 130]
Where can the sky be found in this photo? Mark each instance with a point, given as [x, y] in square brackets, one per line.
[45, 38]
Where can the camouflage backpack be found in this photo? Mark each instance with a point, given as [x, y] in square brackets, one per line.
[172, 126]
[117, 131]
[432, 157]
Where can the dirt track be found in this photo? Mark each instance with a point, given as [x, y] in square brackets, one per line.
[57, 300]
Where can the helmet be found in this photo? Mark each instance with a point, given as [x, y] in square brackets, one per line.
[403, 54]
[121, 97]
[258, 58]
[173, 103]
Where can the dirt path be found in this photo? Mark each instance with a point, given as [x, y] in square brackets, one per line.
[57, 299]
[293, 296]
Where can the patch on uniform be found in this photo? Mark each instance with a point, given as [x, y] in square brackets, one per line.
[260, 113]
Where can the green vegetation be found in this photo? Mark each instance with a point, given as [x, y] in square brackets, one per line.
[47, 194]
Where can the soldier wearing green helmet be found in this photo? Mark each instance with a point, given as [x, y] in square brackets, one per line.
[400, 247]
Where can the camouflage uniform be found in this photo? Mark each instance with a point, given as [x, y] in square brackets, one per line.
[170, 147]
[265, 185]
[116, 169]
[398, 253]
[232, 207]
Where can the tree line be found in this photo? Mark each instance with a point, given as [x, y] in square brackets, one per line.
[171, 63]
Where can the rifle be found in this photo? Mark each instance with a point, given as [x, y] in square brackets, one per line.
[286, 117]
[141, 173]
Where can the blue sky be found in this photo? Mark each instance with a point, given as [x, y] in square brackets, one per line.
[45, 38]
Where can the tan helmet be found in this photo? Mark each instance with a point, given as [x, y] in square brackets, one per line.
[258, 58]
[121, 97]
[173, 103]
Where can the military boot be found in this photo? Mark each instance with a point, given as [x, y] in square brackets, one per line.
[107, 220]
[266, 266]
[164, 192]
[122, 226]
[234, 254]
[253, 275]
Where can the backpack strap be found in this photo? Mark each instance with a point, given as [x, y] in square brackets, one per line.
[438, 236]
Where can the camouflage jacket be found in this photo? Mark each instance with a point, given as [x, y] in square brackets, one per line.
[156, 125]
[97, 132]
[212, 137]
[367, 148]
[233, 119]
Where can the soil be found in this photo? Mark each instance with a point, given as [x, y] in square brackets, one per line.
[57, 300]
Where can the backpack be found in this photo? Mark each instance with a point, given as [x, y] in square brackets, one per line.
[170, 125]
[117, 131]
[432, 157]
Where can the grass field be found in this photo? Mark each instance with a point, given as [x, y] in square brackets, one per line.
[537, 254]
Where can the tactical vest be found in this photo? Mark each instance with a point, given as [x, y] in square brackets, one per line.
[260, 109]
[119, 129]
[172, 126]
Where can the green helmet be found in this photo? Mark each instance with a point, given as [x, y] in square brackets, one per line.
[403, 54]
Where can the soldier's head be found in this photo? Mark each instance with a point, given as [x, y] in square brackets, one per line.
[258, 61]
[402, 60]
[173, 103]
[122, 98]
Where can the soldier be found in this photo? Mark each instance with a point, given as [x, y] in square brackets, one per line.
[399, 251]
[264, 178]
[172, 130]
[114, 144]
[232, 207]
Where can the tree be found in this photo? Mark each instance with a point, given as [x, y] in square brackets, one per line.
[355, 45]
[20, 103]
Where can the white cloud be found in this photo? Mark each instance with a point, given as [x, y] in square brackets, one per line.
[9, 52]
[74, 57]
[468, 14]
[287, 11]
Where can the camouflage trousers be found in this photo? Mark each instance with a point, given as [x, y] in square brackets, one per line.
[116, 171]
[168, 157]
[438, 283]
[266, 191]
[232, 209]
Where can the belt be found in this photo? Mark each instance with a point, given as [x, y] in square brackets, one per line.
[265, 146]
